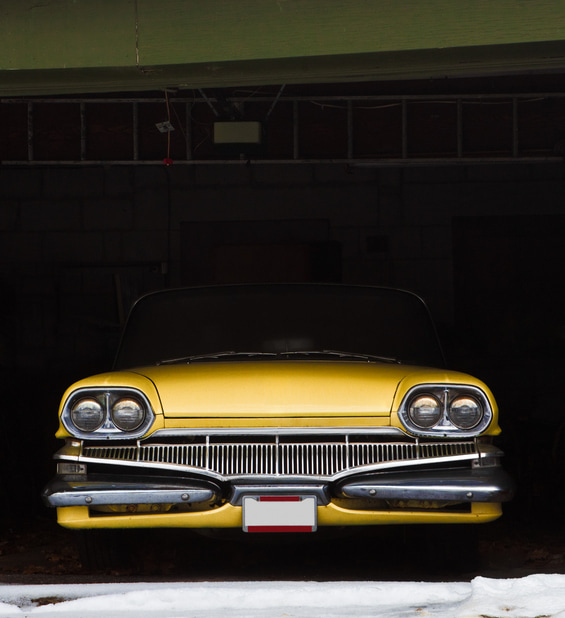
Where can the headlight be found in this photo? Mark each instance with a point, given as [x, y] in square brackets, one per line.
[119, 413]
[127, 414]
[465, 412]
[425, 411]
[458, 410]
[87, 414]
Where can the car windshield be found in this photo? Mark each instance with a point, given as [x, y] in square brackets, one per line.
[268, 322]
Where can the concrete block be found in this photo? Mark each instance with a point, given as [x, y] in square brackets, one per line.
[438, 274]
[31, 357]
[214, 175]
[9, 210]
[31, 311]
[223, 203]
[547, 171]
[350, 205]
[513, 198]
[431, 204]
[436, 242]
[69, 182]
[22, 183]
[108, 214]
[37, 285]
[375, 245]
[349, 238]
[113, 247]
[150, 177]
[50, 216]
[390, 210]
[509, 172]
[420, 274]
[149, 246]
[85, 247]
[406, 243]
[151, 209]
[33, 267]
[118, 181]
[98, 281]
[70, 281]
[181, 176]
[17, 248]
[343, 173]
[95, 309]
[389, 178]
[446, 174]
[285, 174]
[368, 272]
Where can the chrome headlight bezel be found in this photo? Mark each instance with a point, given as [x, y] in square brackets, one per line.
[107, 398]
[446, 395]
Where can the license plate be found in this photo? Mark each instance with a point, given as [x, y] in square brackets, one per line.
[279, 513]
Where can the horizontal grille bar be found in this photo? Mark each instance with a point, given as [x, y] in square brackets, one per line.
[317, 459]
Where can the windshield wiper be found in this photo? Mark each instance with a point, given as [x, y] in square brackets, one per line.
[211, 356]
[232, 354]
[343, 354]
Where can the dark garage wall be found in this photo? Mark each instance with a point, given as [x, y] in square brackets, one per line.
[77, 245]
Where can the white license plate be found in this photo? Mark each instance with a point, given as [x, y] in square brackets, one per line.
[279, 513]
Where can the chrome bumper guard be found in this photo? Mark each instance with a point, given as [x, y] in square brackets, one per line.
[451, 485]
[105, 491]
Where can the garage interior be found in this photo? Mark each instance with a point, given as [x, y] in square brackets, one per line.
[419, 147]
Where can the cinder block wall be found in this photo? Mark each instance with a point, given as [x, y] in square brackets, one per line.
[77, 245]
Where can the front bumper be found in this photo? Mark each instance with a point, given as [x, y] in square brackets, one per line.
[424, 496]
[450, 485]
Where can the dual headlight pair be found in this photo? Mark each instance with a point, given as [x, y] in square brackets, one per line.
[426, 410]
[432, 409]
[103, 412]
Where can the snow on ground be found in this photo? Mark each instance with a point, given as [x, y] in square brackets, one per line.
[534, 596]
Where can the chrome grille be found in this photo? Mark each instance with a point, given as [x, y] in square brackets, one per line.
[319, 459]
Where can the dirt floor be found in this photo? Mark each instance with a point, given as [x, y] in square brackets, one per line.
[39, 551]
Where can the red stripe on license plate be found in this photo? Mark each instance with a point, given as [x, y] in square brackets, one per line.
[279, 498]
[279, 529]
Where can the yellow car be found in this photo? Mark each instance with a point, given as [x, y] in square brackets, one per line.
[278, 408]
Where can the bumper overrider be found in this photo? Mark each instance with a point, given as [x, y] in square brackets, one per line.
[349, 483]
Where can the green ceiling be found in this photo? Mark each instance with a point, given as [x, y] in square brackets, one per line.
[81, 46]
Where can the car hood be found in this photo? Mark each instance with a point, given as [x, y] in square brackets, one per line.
[281, 388]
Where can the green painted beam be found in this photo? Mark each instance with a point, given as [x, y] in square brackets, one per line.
[81, 46]
[66, 34]
[236, 30]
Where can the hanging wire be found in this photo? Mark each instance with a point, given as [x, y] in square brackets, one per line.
[169, 121]
[275, 101]
[203, 95]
